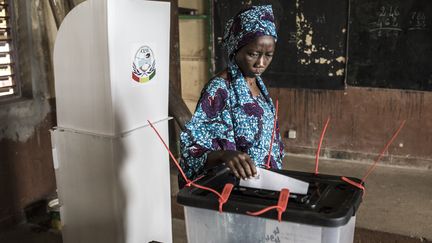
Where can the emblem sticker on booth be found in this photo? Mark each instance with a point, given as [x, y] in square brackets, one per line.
[144, 65]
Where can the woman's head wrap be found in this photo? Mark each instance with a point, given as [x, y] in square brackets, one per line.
[248, 24]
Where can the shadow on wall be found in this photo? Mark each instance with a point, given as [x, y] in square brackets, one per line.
[26, 168]
[26, 172]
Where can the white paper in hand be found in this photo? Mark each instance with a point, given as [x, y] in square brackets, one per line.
[270, 180]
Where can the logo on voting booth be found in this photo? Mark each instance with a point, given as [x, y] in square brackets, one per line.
[143, 67]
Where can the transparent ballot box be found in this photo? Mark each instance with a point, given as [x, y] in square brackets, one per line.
[325, 214]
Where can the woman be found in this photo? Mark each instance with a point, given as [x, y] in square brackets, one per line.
[234, 117]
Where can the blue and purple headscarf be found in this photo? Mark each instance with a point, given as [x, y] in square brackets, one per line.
[246, 26]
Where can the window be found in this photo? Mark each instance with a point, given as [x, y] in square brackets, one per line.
[8, 82]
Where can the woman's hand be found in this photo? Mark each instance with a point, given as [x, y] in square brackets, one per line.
[239, 163]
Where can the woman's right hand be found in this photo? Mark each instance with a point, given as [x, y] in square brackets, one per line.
[239, 163]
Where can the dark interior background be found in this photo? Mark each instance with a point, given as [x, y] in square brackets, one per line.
[329, 44]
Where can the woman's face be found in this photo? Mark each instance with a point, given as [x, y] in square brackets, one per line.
[254, 58]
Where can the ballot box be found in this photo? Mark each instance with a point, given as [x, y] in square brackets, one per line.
[326, 213]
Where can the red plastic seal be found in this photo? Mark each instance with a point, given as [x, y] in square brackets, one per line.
[226, 192]
[280, 207]
[358, 185]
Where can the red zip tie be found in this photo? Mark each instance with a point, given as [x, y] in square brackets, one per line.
[226, 192]
[280, 207]
[196, 179]
[319, 146]
[273, 134]
[222, 198]
[227, 189]
[371, 168]
[206, 188]
[169, 151]
[283, 202]
[358, 185]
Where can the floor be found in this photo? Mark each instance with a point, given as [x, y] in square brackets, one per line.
[30, 233]
[397, 206]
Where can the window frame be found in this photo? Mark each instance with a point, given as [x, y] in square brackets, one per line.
[13, 52]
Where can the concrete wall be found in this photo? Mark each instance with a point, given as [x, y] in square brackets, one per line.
[362, 119]
[193, 53]
[26, 171]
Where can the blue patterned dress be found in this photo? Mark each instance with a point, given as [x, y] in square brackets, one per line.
[228, 117]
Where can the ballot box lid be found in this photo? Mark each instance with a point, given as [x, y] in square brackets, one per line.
[330, 201]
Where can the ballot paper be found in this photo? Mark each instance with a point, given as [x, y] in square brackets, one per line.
[269, 180]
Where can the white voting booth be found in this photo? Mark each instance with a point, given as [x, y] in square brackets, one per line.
[111, 65]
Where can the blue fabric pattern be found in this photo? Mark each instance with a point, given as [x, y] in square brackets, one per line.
[247, 25]
[227, 116]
